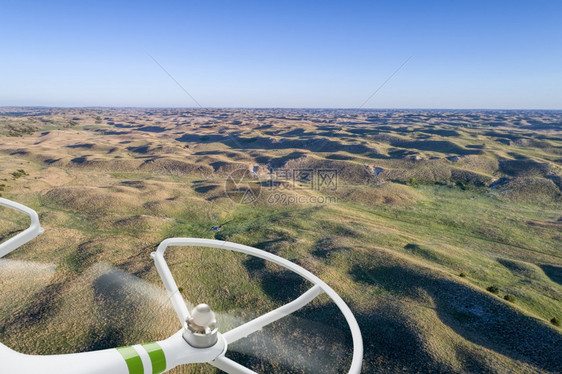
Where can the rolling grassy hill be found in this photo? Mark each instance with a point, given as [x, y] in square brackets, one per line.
[443, 232]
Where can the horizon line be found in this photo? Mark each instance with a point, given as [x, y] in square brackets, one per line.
[266, 108]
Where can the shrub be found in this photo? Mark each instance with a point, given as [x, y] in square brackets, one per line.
[412, 246]
[413, 182]
[19, 173]
[555, 321]
[465, 186]
[493, 289]
[462, 275]
[509, 298]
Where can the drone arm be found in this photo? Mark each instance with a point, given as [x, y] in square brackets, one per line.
[105, 361]
[268, 318]
[170, 284]
[156, 357]
[231, 367]
[30, 233]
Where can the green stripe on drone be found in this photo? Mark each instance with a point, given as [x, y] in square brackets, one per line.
[157, 357]
[133, 360]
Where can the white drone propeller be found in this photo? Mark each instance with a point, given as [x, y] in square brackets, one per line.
[199, 339]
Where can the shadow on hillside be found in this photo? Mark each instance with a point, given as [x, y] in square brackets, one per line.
[155, 129]
[325, 247]
[312, 144]
[297, 139]
[117, 300]
[279, 162]
[81, 145]
[282, 285]
[480, 318]
[390, 342]
[205, 189]
[314, 339]
[553, 272]
[43, 306]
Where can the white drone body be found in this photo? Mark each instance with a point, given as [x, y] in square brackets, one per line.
[199, 339]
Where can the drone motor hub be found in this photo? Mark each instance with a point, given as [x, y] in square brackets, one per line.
[201, 327]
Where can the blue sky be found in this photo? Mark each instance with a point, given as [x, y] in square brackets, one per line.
[466, 54]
